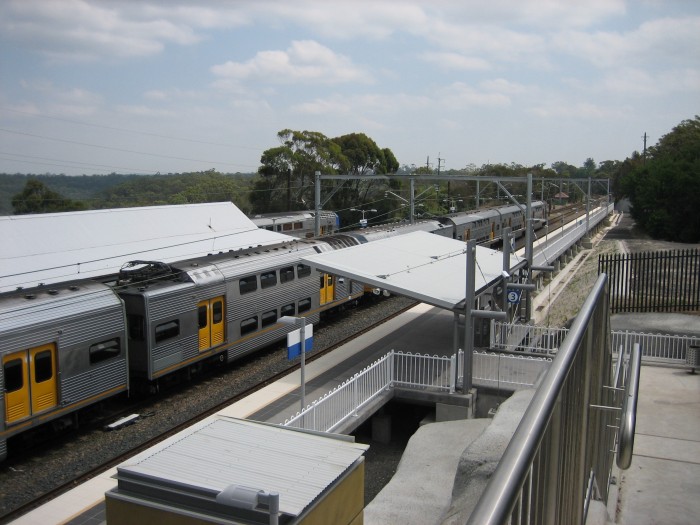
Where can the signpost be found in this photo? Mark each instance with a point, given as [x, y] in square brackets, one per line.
[294, 338]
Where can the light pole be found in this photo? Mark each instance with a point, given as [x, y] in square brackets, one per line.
[301, 323]
[363, 221]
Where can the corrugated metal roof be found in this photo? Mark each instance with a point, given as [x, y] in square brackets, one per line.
[57, 247]
[427, 267]
[226, 451]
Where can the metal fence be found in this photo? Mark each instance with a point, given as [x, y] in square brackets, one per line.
[663, 281]
[421, 371]
[507, 372]
[341, 403]
[562, 446]
[664, 348]
[415, 371]
[526, 337]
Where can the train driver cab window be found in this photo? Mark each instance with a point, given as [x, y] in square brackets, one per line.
[248, 284]
[303, 270]
[43, 366]
[14, 376]
[305, 305]
[286, 274]
[104, 350]
[167, 330]
[268, 279]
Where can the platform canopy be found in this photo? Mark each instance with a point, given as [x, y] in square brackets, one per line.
[57, 247]
[421, 265]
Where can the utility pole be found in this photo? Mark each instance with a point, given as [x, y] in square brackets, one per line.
[645, 147]
[440, 162]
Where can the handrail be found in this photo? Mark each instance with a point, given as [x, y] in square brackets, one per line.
[629, 410]
[502, 492]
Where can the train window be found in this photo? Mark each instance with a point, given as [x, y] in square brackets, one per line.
[217, 312]
[202, 316]
[248, 284]
[136, 327]
[298, 225]
[287, 226]
[167, 330]
[14, 378]
[104, 350]
[249, 325]
[287, 309]
[287, 274]
[323, 281]
[303, 270]
[268, 279]
[43, 366]
[305, 305]
[269, 318]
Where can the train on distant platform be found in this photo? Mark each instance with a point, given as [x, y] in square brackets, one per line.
[68, 346]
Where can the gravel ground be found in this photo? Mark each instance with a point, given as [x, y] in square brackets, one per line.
[60, 460]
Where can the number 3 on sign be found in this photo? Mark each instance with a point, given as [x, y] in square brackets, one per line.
[514, 296]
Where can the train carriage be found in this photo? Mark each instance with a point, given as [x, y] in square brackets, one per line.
[54, 362]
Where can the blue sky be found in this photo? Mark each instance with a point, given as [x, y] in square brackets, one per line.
[152, 86]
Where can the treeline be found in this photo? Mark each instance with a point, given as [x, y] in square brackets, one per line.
[663, 185]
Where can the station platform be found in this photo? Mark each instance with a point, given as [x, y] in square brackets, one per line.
[660, 487]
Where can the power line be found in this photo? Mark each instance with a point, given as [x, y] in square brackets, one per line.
[122, 150]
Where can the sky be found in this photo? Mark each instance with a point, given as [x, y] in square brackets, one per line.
[167, 86]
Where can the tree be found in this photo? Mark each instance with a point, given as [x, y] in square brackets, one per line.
[664, 189]
[38, 198]
[287, 171]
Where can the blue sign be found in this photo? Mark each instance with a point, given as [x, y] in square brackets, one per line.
[514, 296]
[294, 341]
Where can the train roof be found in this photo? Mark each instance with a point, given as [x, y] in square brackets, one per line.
[27, 308]
[58, 247]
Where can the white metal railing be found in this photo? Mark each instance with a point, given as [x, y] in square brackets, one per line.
[507, 372]
[331, 410]
[415, 371]
[531, 338]
[541, 339]
[424, 371]
[655, 347]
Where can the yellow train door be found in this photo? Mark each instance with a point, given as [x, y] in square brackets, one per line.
[16, 374]
[210, 314]
[30, 382]
[43, 377]
[327, 288]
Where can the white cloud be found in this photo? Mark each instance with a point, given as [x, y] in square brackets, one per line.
[459, 95]
[77, 30]
[303, 61]
[577, 110]
[658, 42]
[455, 61]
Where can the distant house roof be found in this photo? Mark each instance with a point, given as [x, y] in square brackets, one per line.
[55, 247]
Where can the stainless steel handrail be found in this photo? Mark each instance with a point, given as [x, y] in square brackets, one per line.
[629, 410]
[502, 492]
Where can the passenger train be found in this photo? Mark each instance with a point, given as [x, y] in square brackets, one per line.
[70, 345]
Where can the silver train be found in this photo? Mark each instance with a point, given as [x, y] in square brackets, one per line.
[300, 224]
[66, 347]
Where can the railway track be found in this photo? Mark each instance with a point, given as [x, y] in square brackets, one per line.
[9, 512]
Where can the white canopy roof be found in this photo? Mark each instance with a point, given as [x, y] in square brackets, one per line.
[55, 247]
[427, 267]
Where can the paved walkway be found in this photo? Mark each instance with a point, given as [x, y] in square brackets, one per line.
[663, 483]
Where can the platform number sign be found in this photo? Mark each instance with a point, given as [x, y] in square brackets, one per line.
[514, 296]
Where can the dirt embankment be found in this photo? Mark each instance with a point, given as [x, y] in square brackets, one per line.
[622, 237]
